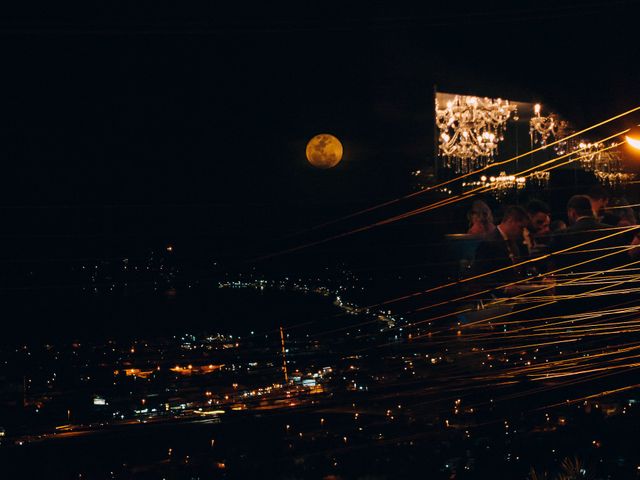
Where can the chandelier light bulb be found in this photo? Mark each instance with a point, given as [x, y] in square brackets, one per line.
[541, 128]
[473, 128]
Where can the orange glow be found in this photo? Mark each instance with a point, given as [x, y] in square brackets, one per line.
[209, 412]
[196, 370]
[633, 142]
[136, 372]
[316, 389]
[324, 151]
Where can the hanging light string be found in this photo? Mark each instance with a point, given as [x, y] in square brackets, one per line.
[488, 290]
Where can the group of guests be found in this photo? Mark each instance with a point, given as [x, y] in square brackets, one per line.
[527, 242]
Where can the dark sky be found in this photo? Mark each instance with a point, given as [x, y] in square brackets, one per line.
[184, 122]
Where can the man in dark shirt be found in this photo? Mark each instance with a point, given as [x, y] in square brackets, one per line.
[500, 251]
[537, 231]
[599, 198]
[572, 287]
[584, 227]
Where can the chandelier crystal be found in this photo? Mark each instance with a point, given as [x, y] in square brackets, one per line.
[471, 129]
[504, 184]
[540, 178]
[606, 165]
[594, 159]
[614, 179]
[541, 128]
[564, 130]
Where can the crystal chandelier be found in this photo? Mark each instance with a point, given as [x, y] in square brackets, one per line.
[588, 155]
[540, 178]
[541, 128]
[564, 130]
[470, 130]
[503, 184]
[606, 165]
[611, 179]
[594, 159]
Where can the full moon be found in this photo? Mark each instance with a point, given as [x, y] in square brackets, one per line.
[324, 151]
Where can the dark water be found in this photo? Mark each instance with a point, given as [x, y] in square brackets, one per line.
[64, 315]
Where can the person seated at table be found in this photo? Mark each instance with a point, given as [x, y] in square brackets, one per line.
[557, 226]
[620, 214]
[599, 199]
[536, 233]
[500, 251]
[587, 237]
[626, 216]
[480, 219]
[634, 253]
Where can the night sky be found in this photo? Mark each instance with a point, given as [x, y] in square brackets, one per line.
[142, 125]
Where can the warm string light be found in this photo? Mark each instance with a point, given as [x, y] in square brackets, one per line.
[576, 361]
[539, 305]
[467, 383]
[601, 331]
[476, 295]
[514, 283]
[554, 301]
[542, 323]
[617, 231]
[524, 280]
[604, 393]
